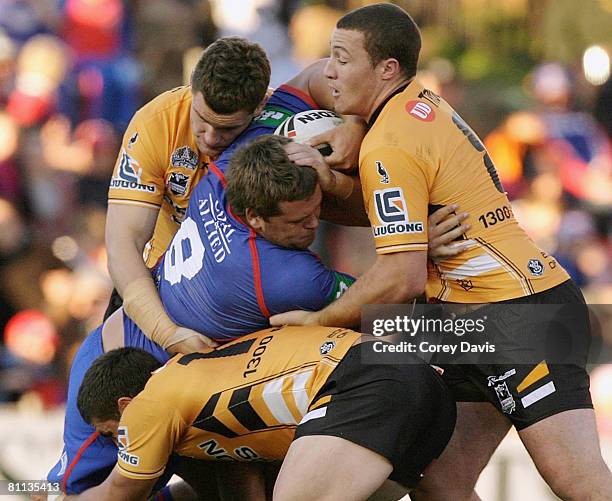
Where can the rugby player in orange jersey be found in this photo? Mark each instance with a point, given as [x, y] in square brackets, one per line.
[419, 154]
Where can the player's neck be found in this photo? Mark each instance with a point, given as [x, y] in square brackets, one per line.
[385, 94]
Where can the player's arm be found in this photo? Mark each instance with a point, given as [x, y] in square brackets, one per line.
[345, 140]
[343, 199]
[128, 229]
[385, 282]
[116, 486]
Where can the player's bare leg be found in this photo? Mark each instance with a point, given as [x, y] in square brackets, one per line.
[565, 450]
[241, 481]
[479, 430]
[389, 491]
[329, 468]
[182, 491]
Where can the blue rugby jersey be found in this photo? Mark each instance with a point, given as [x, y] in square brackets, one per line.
[229, 304]
[88, 457]
[221, 279]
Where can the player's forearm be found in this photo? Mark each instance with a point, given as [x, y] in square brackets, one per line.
[127, 231]
[98, 493]
[125, 263]
[116, 487]
[386, 282]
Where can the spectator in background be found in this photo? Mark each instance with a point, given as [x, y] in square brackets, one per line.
[104, 79]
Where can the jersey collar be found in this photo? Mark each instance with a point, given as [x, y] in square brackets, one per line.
[378, 110]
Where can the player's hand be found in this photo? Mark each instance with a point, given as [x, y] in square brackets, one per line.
[302, 154]
[190, 341]
[39, 497]
[345, 141]
[445, 225]
[295, 317]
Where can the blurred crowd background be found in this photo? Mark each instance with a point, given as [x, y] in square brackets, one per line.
[530, 76]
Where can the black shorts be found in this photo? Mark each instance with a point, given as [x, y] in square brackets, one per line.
[402, 412]
[526, 392]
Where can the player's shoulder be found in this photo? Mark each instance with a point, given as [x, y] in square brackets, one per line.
[300, 270]
[168, 102]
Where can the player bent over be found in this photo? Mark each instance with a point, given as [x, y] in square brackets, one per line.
[301, 393]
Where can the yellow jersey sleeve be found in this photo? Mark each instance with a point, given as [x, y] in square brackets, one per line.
[139, 174]
[148, 432]
[396, 193]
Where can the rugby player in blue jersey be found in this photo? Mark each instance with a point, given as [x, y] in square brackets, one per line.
[224, 273]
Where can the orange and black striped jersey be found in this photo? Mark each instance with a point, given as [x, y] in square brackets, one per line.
[418, 156]
[158, 165]
[240, 402]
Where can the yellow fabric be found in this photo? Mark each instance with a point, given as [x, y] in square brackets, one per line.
[243, 405]
[142, 304]
[538, 372]
[419, 154]
[159, 164]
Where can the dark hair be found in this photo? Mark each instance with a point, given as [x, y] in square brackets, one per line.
[232, 74]
[389, 32]
[123, 372]
[260, 176]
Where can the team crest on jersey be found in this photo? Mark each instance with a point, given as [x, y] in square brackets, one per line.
[326, 347]
[382, 172]
[536, 268]
[177, 183]
[185, 157]
[392, 213]
[123, 442]
[422, 111]
[129, 173]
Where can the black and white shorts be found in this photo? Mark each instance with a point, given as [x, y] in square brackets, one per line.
[529, 392]
[403, 412]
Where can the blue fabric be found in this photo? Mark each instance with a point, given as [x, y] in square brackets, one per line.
[207, 278]
[99, 458]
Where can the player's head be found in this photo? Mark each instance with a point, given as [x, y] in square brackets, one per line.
[372, 49]
[110, 384]
[229, 85]
[280, 200]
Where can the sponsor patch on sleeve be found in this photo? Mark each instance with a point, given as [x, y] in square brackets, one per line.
[392, 213]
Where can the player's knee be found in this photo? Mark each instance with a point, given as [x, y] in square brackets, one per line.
[594, 484]
[438, 484]
[440, 490]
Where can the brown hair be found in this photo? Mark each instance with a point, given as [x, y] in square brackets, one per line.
[232, 74]
[260, 176]
[389, 32]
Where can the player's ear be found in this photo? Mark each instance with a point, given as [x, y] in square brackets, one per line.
[122, 403]
[389, 68]
[254, 220]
